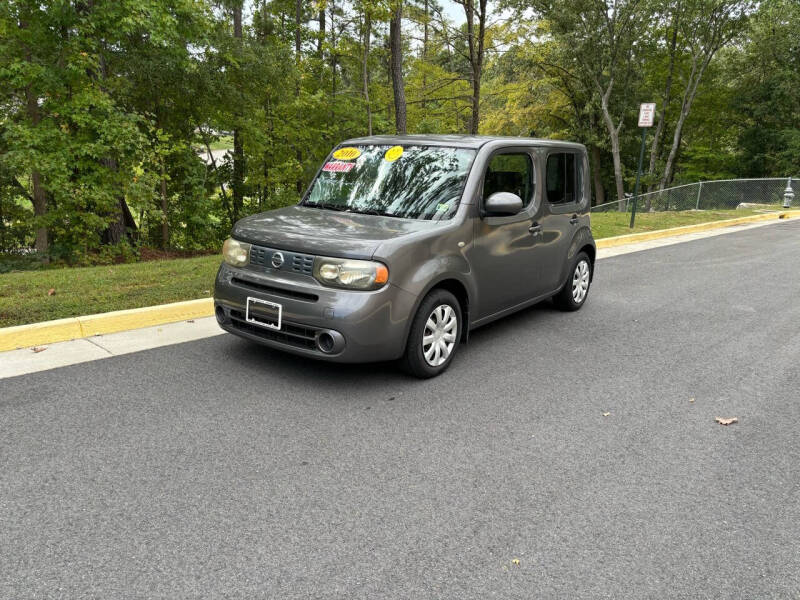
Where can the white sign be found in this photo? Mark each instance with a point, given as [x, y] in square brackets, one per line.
[647, 113]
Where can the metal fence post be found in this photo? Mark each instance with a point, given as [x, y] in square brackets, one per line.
[699, 189]
[788, 194]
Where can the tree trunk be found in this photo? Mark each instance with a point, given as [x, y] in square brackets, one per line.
[321, 35]
[396, 48]
[425, 31]
[424, 51]
[334, 60]
[599, 192]
[365, 67]
[39, 195]
[613, 134]
[40, 210]
[298, 15]
[119, 229]
[238, 146]
[686, 105]
[476, 52]
[164, 207]
[655, 148]
[123, 224]
[298, 11]
[476, 101]
[469, 10]
[225, 203]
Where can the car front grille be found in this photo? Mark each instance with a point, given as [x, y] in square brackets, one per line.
[261, 256]
[290, 334]
[271, 289]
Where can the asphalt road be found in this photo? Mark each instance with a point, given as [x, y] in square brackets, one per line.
[219, 469]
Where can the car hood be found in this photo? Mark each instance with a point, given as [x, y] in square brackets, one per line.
[324, 232]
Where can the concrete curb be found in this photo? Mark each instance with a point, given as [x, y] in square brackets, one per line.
[646, 236]
[61, 330]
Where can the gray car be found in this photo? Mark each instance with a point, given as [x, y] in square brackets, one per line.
[404, 244]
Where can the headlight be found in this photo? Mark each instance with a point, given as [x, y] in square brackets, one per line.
[350, 274]
[235, 253]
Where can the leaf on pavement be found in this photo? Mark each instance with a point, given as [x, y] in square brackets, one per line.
[515, 561]
[606, 414]
[51, 292]
[728, 421]
[38, 349]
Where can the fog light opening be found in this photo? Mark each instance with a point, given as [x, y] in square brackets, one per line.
[325, 342]
[220, 314]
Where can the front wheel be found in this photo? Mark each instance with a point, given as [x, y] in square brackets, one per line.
[576, 289]
[434, 336]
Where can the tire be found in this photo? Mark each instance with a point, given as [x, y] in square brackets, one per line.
[437, 309]
[576, 289]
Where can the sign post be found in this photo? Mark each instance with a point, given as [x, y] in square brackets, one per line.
[647, 112]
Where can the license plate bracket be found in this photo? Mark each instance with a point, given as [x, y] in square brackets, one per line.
[263, 313]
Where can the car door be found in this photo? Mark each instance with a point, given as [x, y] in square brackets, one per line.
[505, 250]
[563, 190]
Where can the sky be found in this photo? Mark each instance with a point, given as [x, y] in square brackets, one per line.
[454, 11]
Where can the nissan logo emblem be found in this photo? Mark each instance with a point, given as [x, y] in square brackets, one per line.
[277, 260]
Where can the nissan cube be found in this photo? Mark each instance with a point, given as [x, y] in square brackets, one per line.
[402, 245]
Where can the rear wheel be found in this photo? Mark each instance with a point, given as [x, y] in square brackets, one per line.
[434, 336]
[576, 289]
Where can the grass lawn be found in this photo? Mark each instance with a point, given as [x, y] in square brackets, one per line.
[223, 143]
[611, 224]
[87, 290]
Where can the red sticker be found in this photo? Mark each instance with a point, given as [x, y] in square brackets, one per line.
[337, 166]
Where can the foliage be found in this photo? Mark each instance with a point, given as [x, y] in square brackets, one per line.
[25, 298]
[109, 107]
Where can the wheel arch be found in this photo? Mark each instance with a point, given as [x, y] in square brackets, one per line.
[459, 289]
[581, 242]
[591, 252]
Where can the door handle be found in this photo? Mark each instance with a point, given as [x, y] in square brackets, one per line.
[574, 219]
[535, 229]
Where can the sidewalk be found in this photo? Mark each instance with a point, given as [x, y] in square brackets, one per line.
[60, 354]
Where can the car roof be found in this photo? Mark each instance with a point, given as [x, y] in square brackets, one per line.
[457, 141]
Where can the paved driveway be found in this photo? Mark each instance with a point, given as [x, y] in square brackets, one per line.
[219, 469]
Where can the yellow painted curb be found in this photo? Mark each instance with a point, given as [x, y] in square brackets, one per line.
[49, 332]
[36, 334]
[60, 330]
[632, 238]
[136, 318]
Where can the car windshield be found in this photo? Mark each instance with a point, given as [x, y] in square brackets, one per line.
[412, 182]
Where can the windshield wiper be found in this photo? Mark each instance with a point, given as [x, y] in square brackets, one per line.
[375, 211]
[329, 206]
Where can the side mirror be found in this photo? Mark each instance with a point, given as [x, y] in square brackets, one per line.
[502, 203]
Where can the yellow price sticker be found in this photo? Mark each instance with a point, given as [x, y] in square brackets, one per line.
[348, 153]
[393, 153]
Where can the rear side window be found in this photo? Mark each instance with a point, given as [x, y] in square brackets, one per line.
[563, 178]
[510, 173]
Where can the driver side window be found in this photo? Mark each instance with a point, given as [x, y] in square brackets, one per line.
[510, 173]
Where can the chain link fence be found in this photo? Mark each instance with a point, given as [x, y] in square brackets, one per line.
[725, 194]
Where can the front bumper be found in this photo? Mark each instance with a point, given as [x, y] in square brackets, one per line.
[364, 326]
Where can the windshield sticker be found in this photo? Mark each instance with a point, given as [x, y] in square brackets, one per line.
[347, 153]
[336, 166]
[393, 153]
